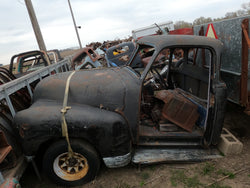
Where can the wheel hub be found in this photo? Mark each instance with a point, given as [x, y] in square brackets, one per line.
[71, 168]
[72, 161]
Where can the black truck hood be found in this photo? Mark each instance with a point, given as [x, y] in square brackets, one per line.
[104, 88]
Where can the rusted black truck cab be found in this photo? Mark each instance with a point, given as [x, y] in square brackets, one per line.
[170, 101]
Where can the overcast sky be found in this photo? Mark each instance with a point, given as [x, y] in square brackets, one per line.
[100, 20]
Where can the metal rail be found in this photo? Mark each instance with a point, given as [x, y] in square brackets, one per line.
[11, 87]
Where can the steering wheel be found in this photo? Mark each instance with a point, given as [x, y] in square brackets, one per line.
[157, 77]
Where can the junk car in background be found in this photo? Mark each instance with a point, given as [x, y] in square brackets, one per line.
[54, 56]
[165, 110]
[26, 62]
[121, 54]
[87, 58]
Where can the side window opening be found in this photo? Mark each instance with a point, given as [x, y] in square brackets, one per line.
[176, 88]
[146, 54]
[92, 53]
[120, 50]
[141, 59]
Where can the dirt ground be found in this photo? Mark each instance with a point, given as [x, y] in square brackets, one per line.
[230, 171]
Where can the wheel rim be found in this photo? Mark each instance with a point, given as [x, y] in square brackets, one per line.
[70, 168]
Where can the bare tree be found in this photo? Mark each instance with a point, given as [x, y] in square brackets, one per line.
[182, 24]
[246, 7]
[245, 10]
[230, 15]
[202, 20]
[241, 12]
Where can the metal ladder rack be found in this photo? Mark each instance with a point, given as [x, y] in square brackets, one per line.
[11, 87]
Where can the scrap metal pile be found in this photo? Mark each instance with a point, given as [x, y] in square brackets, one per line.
[107, 44]
[106, 54]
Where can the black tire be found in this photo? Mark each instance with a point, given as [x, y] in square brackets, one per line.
[56, 170]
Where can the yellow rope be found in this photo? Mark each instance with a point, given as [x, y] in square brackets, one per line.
[64, 111]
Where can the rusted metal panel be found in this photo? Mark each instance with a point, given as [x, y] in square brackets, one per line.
[178, 109]
[201, 33]
[86, 50]
[244, 63]
[87, 58]
[182, 31]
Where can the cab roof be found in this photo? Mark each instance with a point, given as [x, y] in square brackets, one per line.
[162, 41]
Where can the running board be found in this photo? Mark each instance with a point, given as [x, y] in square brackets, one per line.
[159, 143]
[148, 156]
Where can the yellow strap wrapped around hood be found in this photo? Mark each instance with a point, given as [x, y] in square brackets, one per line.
[64, 111]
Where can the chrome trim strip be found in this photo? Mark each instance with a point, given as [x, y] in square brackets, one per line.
[118, 161]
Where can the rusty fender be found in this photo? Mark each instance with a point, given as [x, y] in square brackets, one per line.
[106, 130]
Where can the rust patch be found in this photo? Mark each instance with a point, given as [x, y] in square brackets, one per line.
[22, 129]
[100, 74]
[25, 126]
[120, 111]
[21, 133]
[5, 148]
[244, 64]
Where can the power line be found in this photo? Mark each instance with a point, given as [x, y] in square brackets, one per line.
[19, 1]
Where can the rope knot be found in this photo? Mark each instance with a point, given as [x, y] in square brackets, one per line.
[65, 109]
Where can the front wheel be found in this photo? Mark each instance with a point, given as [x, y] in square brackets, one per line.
[71, 171]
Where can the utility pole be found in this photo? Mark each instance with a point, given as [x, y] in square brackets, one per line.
[77, 34]
[35, 25]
